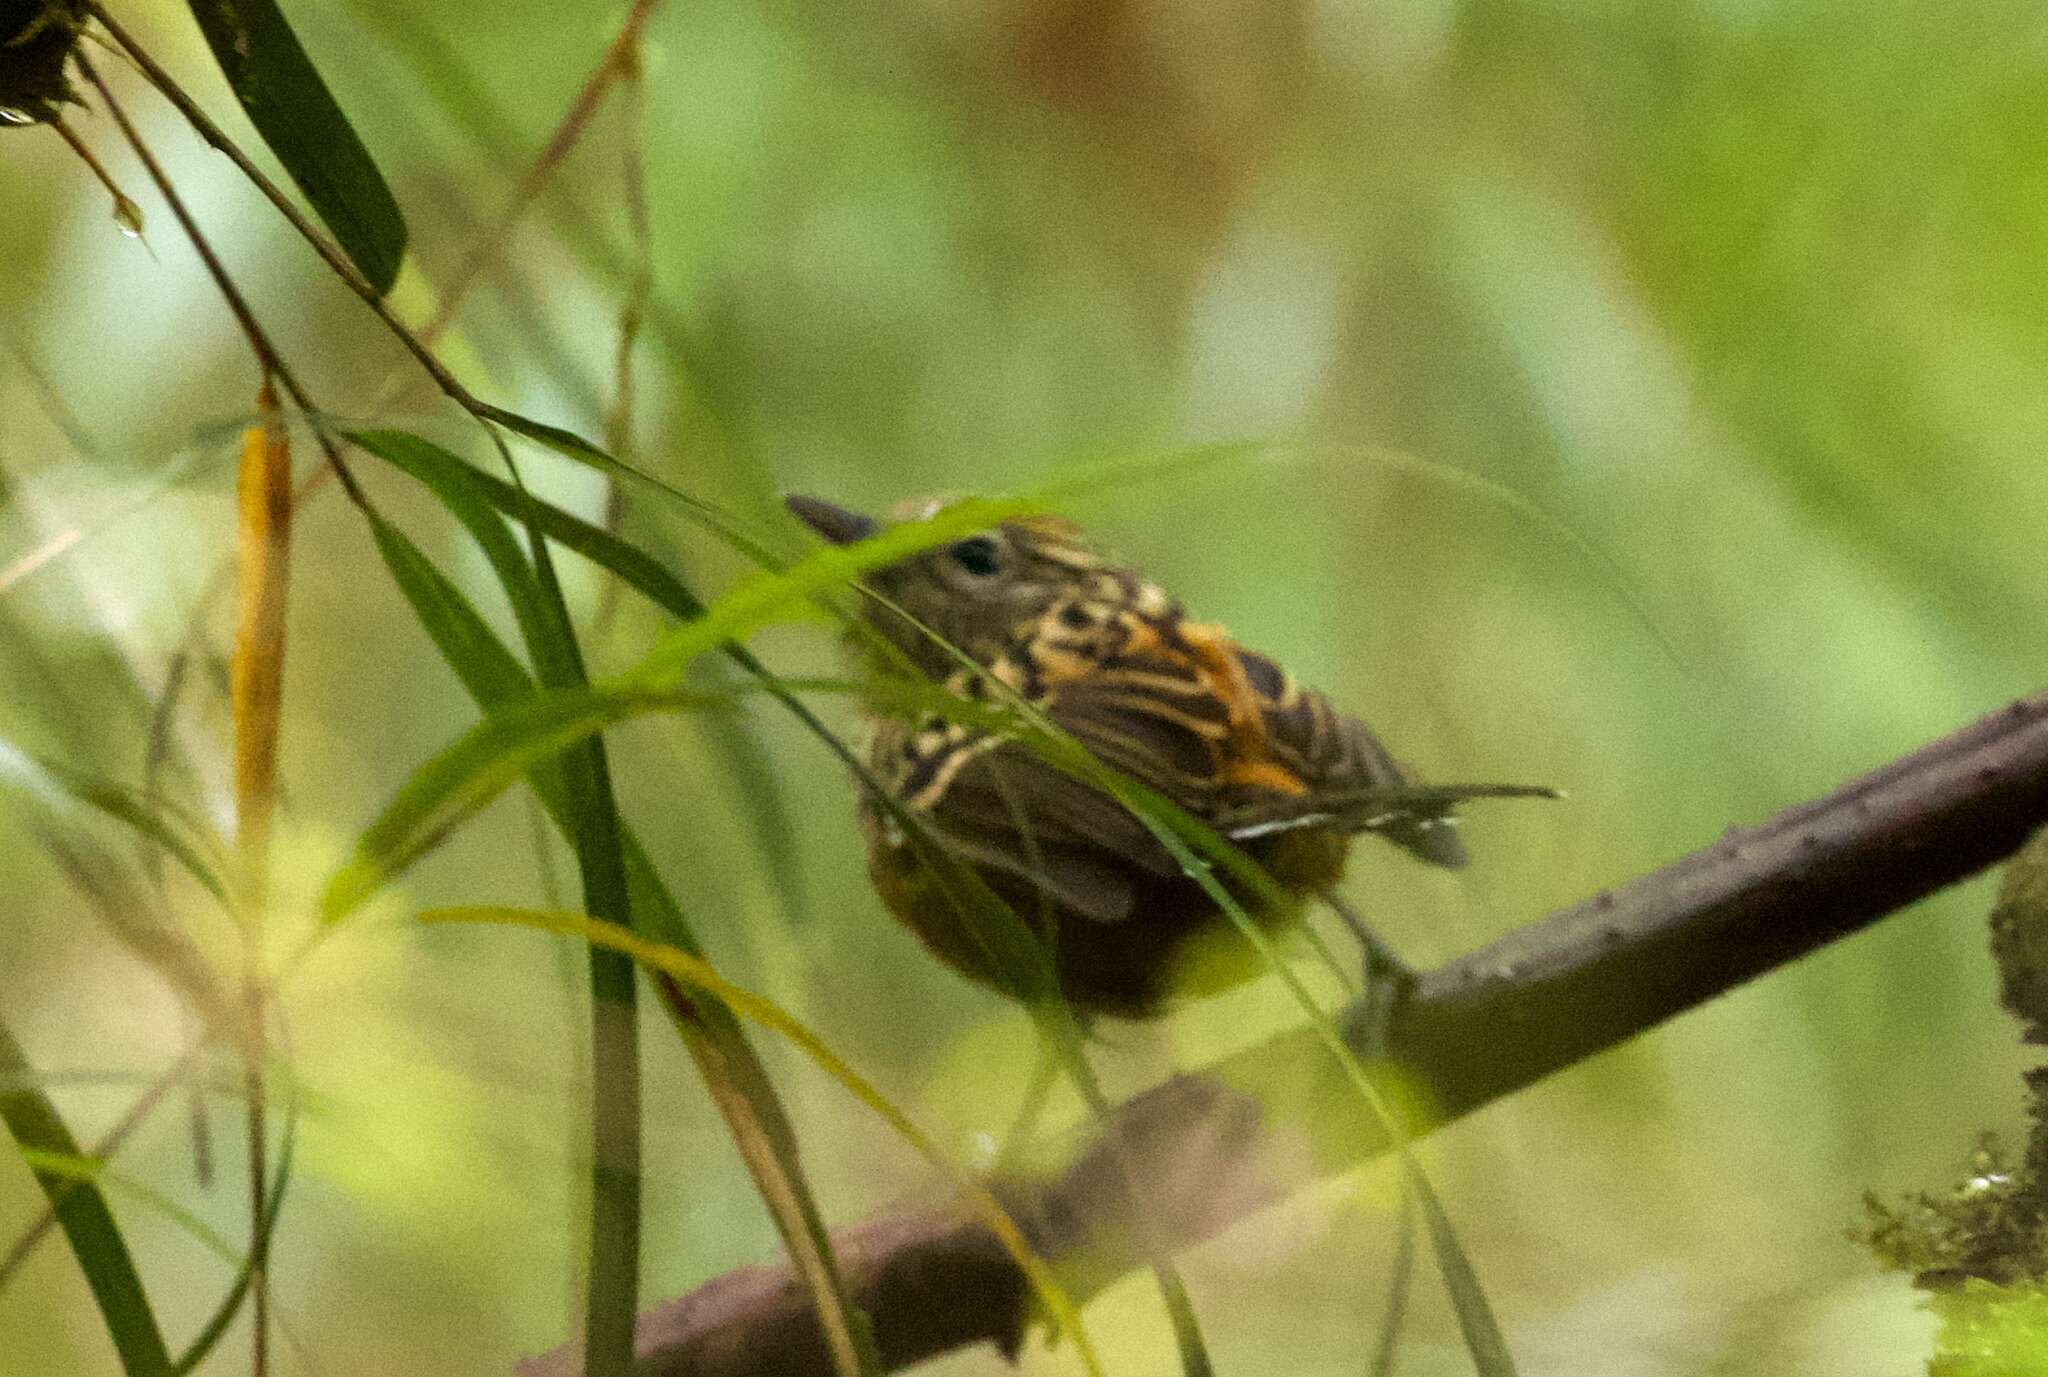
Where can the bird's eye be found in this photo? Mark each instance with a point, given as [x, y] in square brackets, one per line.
[978, 555]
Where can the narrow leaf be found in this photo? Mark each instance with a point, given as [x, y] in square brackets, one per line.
[594, 832]
[695, 973]
[570, 445]
[1481, 1331]
[566, 442]
[738, 754]
[47, 782]
[738, 1083]
[87, 1223]
[449, 476]
[1400, 1280]
[290, 106]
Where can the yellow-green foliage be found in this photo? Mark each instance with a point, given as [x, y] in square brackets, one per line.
[1991, 1331]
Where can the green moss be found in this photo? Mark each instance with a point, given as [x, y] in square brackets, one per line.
[1989, 1226]
[2019, 937]
[1991, 1331]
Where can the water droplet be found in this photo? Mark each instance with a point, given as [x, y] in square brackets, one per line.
[10, 115]
[128, 216]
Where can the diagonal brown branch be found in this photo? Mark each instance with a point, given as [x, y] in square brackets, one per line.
[1484, 1026]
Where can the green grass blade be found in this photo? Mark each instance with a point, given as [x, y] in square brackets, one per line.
[570, 445]
[466, 776]
[79, 1169]
[454, 483]
[452, 478]
[737, 753]
[614, 1286]
[694, 972]
[1483, 1337]
[48, 782]
[1400, 1280]
[738, 1083]
[87, 1223]
[290, 106]
[592, 814]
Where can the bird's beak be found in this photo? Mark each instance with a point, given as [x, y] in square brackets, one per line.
[836, 524]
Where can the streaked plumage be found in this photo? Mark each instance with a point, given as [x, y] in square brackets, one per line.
[1172, 703]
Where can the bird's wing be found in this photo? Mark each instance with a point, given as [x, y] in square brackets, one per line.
[1008, 809]
[1345, 768]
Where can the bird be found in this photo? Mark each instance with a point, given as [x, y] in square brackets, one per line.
[1030, 611]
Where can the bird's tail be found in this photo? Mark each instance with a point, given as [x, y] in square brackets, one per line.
[1420, 818]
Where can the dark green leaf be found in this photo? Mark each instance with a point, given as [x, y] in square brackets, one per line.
[291, 108]
[738, 753]
[570, 445]
[83, 1215]
[738, 1082]
[1483, 1339]
[562, 441]
[613, 1301]
[450, 477]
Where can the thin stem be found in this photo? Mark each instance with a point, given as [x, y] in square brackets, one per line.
[330, 252]
[266, 353]
[126, 213]
[618, 430]
[259, 1205]
[1387, 1347]
[568, 133]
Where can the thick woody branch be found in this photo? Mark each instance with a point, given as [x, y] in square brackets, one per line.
[1222, 1143]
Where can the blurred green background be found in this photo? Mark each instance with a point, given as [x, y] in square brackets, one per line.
[1734, 310]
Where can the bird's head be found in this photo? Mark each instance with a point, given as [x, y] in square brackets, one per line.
[985, 593]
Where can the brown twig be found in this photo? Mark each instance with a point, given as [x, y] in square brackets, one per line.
[259, 342]
[618, 427]
[620, 59]
[126, 215]
[1225, 1142]
[330, 252]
